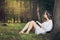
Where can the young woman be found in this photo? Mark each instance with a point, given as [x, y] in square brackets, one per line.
[40, 28]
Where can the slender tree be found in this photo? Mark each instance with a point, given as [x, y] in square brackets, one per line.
[2, 11]
[35, 16]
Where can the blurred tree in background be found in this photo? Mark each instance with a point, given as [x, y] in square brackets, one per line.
[16, 11]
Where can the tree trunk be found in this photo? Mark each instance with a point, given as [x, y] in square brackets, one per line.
[38, 14]
[2, 11]
[56, 15]
[35, 17]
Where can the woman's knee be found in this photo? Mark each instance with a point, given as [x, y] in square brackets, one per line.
[28, 22]
[32, 21]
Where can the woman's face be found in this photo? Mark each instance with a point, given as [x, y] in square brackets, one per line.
[45, 15]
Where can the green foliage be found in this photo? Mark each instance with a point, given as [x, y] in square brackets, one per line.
[24, 8]
[16, 8]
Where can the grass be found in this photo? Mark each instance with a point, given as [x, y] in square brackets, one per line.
[11, 32]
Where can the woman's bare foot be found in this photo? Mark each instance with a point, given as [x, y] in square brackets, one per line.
[27, 33]
[21, 32]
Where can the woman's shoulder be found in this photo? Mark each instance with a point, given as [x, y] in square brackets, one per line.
[47, 21]
[50, 20]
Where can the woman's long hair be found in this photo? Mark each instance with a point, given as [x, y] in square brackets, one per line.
[48, 14]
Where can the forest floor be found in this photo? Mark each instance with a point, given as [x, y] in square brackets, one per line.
[11, 32]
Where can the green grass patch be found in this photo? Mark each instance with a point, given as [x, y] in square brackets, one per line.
[11, 32]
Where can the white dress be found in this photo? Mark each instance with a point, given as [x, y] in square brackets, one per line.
[47, 27]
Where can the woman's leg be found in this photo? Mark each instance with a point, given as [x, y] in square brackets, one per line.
[26, 26]
[32, 24]
[29, 28]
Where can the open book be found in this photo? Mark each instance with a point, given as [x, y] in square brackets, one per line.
[38, 23]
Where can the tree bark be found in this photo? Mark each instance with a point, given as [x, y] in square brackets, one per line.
[2, 11]
[56, 14]
[35, 17]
